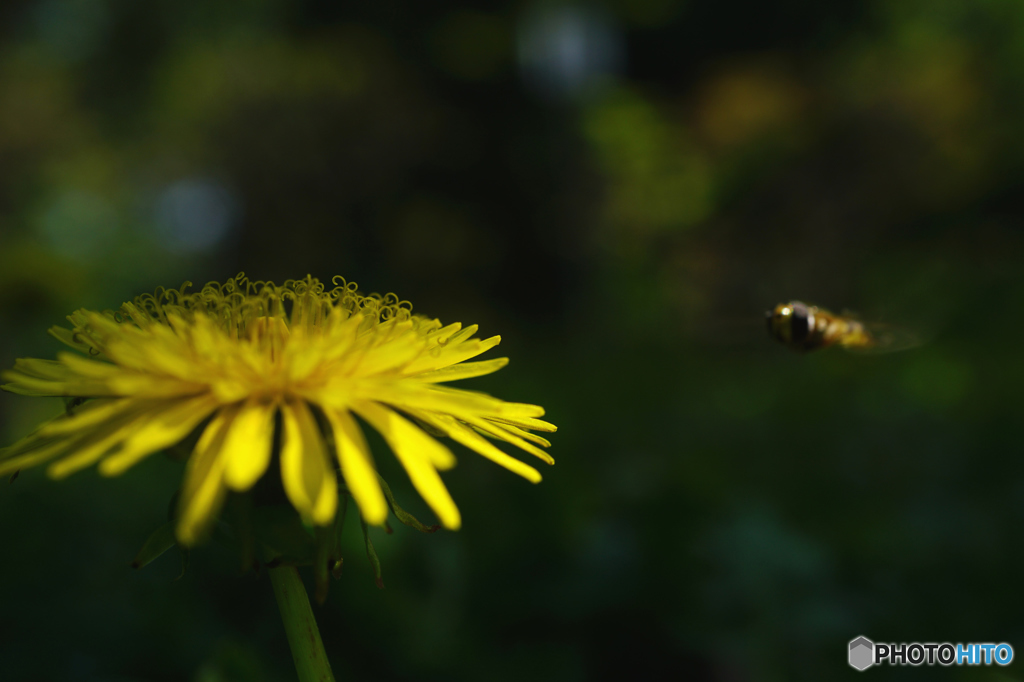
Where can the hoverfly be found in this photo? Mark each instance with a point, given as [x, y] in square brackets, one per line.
[805, 327]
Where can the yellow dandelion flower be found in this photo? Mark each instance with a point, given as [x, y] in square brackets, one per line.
[237, 362]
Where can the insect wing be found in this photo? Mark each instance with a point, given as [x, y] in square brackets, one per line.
[888, 338]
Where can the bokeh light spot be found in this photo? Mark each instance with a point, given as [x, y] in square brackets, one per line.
[564, 51]
[195, 215]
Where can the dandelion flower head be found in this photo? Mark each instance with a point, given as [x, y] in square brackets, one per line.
[236, 362]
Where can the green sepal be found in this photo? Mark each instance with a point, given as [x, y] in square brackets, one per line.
[71, 403]
[240, 514]
[172, 505]
[280, 530]
[402, 515]
[282, 560]
[184, 562]
[339, 528]
[321, 563]
[161, 540]
[328, 553]
[371, 554]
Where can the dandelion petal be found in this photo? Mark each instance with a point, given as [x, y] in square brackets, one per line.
[305, 469]
[410, 445]
[203, 491]
[357, 467]
[164, 428]
[248, 445]
[474, 441]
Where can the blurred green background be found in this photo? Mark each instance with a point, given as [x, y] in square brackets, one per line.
[620, 190]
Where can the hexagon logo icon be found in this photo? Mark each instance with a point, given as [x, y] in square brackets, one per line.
[862, 653]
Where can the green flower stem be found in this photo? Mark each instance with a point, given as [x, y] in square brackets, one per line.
[303, 636]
